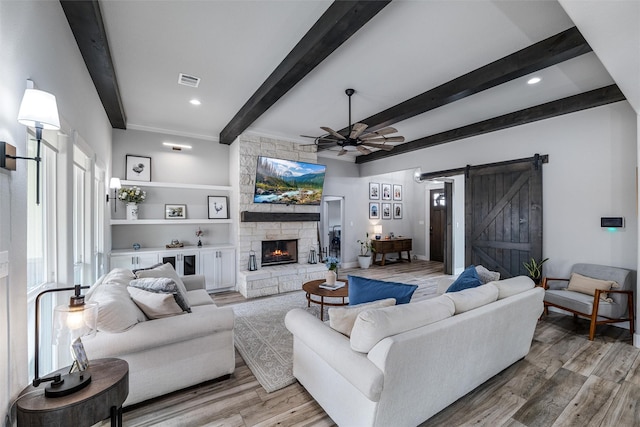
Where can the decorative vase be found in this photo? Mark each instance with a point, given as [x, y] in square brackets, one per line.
[199, 243]
[330, 277]
[132, 211]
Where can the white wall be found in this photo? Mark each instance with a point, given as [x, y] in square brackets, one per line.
[35, 43]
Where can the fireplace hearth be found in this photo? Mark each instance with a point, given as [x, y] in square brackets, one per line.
[277, 252]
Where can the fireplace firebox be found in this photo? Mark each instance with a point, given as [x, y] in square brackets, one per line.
[276, 252]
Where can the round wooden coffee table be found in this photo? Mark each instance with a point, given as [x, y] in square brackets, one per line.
[313, 288]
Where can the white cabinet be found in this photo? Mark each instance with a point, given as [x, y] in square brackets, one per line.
[184, 262]
[218, 266]
[217, 263]
[133, 260]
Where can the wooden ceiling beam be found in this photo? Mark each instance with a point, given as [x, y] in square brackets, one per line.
[571, 104]
[339, 22]
[85, 20]
[551, 51]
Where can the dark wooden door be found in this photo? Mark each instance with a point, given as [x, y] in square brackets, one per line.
[503, 216]
[437, 225]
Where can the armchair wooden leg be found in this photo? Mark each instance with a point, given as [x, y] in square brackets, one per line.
[632, 318]
[594, 316]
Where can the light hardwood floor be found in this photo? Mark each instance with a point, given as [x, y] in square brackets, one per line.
[566, 380]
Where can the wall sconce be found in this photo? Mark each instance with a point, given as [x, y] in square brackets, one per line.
[417, 175]
[176, 147]
[79, 319]
[40, 111]
[115, 185]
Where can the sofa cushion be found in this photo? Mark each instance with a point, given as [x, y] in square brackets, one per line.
[363, 290]
[468, 279]
[155, 305]
[372, 326]
[116, 311]
[342, 318]
[199, 297]
[165, 270]
[486, 275]
[587, 285]
[513, 286]
[471, 298]
[162, 285]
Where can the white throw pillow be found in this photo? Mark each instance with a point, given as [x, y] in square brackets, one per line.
[165, 270]
[342, 318]
[372, 326]
[116, 311]
[513, 286]
[471, 298]
[117, 276]
[155, 305]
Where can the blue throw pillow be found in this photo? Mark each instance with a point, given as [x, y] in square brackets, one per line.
[468, 279]
[363, 290]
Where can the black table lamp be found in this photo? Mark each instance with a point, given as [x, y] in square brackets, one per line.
[79, 318]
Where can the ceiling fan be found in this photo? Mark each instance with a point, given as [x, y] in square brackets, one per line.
[356, 138]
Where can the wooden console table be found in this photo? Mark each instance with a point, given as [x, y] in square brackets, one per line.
[383, 247]
[102, 398]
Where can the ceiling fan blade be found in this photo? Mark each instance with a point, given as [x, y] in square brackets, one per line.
[342, 152]
[357, 129]
[380, 132]
[380, 146]
[362, 149]
[332, 132]
[308, 136]
[383, 139]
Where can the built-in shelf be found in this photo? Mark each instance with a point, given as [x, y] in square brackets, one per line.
[168, 221]
[176, 185]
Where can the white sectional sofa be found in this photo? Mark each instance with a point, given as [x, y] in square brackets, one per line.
[413, 360]
[165, 354]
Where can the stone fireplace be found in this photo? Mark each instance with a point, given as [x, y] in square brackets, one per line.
[273, 223]
[278, 252]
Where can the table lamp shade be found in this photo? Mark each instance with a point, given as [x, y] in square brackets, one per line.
[71, 323]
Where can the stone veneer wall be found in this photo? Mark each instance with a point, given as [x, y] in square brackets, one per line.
[274, 279]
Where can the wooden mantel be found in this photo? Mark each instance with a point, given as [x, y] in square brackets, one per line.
[246, 216]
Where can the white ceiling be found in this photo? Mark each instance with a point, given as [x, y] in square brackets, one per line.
[408, 48]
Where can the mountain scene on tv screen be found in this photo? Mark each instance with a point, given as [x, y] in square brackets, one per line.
[288, 182]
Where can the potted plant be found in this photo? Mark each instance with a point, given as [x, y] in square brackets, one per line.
[332, 264]
[364, 258]
[534, 268]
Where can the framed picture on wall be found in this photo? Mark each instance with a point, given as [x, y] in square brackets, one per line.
[374, 210]
[138, 168]
[218, 207]
[386, 211]
[374, 191]
[397, 192]
[175, 211]
[386, 191]
[397, 211]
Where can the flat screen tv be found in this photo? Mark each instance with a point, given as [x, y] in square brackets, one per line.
[288, 182]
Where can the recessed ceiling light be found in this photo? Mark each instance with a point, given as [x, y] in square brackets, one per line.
[534, 80]
[195, 102]
[176, 147]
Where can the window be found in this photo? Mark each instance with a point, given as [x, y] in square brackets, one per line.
[41, 242]
[82, 218]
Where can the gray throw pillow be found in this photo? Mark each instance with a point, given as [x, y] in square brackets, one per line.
[162, 285]
[167, 271]
[487, 276]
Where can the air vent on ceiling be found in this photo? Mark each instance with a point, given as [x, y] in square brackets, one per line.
[187, 80]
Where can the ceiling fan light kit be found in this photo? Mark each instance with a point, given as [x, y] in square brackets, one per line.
[357, 139]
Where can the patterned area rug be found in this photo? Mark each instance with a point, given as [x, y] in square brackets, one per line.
[266, 345]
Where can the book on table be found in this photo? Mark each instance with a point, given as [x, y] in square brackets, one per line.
[339, 284]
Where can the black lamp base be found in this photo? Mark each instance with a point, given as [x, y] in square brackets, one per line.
[68, 384]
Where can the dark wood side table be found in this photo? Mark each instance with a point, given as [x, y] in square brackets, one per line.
[397, 245]
[101, 399]
[313, 288]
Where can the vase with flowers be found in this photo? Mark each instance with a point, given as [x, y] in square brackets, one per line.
[199, 233]
[132, 196]
[332, 264]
